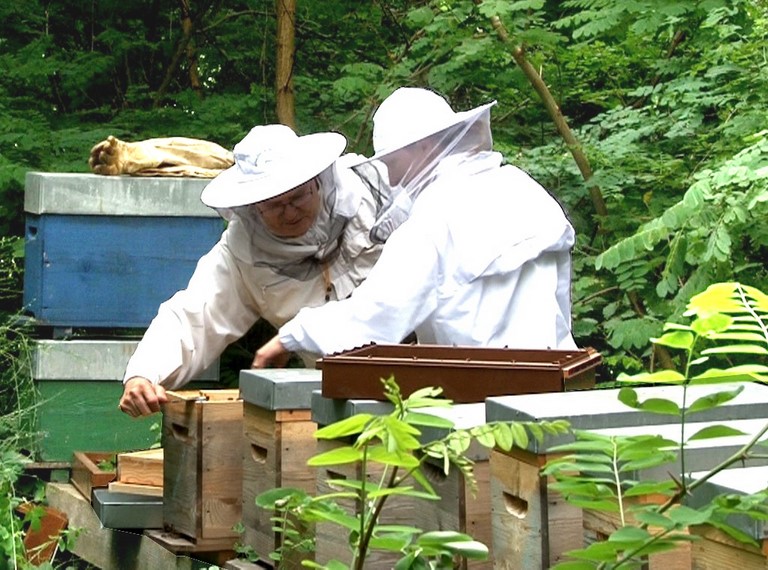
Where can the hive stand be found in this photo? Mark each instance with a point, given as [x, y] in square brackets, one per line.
[532, 525]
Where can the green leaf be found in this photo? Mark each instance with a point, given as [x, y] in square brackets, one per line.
[428, 420]
[573, 565]
[348, 426]
[711, 432]
[713, 400]
[629, 534]
[676, 339]
[267, 499]
[471, 550]
[519, 434]
[686, 516]
[339, 456]
[503, 434]
[651, 488]
[736, 349]
[742, 373]
[660, 376]
[390, 543]
[711, 324]
[438, 537]
[396, 458]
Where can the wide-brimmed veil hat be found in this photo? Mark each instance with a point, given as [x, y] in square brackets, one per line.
[270, 161]
[411, 114]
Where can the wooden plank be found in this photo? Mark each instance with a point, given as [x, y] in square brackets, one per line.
[716, 550]
[143, 467]
[221, 491]
[110, 549]
[135, 489]
[518, 514]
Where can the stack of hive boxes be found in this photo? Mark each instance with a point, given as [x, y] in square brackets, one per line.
[101, 254]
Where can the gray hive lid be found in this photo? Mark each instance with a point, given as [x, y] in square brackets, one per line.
[326, 411]
[280, 388]
[127, 510]
[597, 409]
[700, 454]
[96, 195]
[90, 360]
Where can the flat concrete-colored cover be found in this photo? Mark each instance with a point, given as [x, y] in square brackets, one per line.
[280, 388]
[96, 195]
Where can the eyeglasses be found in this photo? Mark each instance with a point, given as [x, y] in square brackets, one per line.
[298, 198]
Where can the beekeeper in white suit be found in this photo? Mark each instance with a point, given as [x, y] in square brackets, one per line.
[476, 253]
[298, 236]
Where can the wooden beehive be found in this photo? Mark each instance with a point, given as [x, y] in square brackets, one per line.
[466, 374]
[79, 379]
[95, 245]
[715, 549]
[533, 527]
[202, 465]
[279, 440]
[87, 475]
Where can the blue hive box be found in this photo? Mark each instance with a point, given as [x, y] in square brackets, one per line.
[105, 251]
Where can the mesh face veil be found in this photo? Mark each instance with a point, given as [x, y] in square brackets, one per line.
[416, 137]
[301, 257]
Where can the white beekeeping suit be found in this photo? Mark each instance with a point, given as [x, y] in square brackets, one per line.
[476, 253]
[251, 274]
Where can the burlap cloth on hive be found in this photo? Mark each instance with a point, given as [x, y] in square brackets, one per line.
[170, 156]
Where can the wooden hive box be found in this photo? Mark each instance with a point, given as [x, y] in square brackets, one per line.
[139, 472]
[279, 440]
[457, 507]
[699, 455]
[202, 465]
[466, 374]
[95, 245]
[88, 472]
[533, 526]
[83, 378]
[714, 549]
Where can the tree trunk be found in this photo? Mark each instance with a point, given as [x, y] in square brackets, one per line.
[185, 46]
[286, 18]
[518, 53]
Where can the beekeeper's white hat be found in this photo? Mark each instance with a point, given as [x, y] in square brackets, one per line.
[270, 161]
[410, 114]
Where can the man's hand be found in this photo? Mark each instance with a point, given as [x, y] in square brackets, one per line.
[272, 353]
[141, 397]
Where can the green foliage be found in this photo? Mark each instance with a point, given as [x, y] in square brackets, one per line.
[668, 101]
[390, 454]
[600, 472]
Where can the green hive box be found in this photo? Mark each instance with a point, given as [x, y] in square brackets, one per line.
[79, 384]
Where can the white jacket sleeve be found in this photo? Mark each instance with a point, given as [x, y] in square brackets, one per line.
[194, 326]
[398, 295]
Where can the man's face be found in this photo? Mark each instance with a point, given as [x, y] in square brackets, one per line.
[292, 213]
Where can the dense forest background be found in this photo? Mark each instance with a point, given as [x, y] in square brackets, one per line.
[666, 100]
